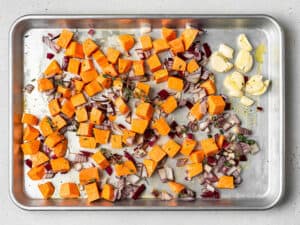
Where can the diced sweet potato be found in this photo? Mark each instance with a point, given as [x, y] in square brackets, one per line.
[192, 66]
[53, 138]
[161, 126]
[126, 168]
[188, 36]
[104, 81]
[226, 182]
[171, 148]
[169, 105]
[209, 87]
[197, 156]
[196, 111]
[69, 190]
[46, 189]
[30, 119]
[156, 153]
[116, 141]
[179, 64]
[150, 166]
[36, 173]
[46, 126]
[85, 129]
[78, 99]
[101, 136]
[188, 146]
[68, 109]
[73, 66]
[30, 133]
[194, 169]
[175, 83]
[160, 45]
[216, 104]
[126, 41]
[86, 65]
[75, 50]
[176, 46]
[168, 34]
[139, 125]
[54, 107]
[110, 70]
[81, 114]
[144, 110]
[107, 192]
[58, 122]
[87, 142]
[161, 75]
[88, 76]
[209, 146]
[124, 65]
[176, 187]
[118, 83]
[88, 175]
[60, 165]
[138, 67]
[100, 159]
[146, 42]
[65, 38]
[39, 158]
[52, 69]
[142, 89]
[45, 84]
[96, 116]
[220, 141]
[61, 148]
[78, 85]
[154, 63]
[93, 88]
[121, 105]
[89, 46]
[92, 192]
[100, 58]
[128, 137]
[112, 55]
[31, 147]
[66, 92]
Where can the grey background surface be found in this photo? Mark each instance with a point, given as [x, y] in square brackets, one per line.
[287, 12]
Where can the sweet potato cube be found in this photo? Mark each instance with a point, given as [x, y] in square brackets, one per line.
[88, 175]
[105, 81]
[45, 84]
[175, 83]
[188, 36]
[179, 64]
[73, 66]
[161, 126]
[75, 50]
[156, 153]
[209, 87]
[194, 169]
[138, 67]
[139, 125]
[53, 69]
[100, 58]
[107, 192]
[66, 92]
[65, 38]
[209, 146]
[188, 146]
[161, 75]
[171, 148]
[54, 107]
[87, 142]
[154, 63]
[81, 114]
[168, 34]
[176, 187]
[121, 105]
[61, 148]
[160, 45]
[30, 133]
[176, 46]
[31, 147]
[126, 41]
[128, 137]
[144, 110]
[220, 141]
[46, 126]
[118, 83]
[30, 119]
[112, 55]
[68, 109]
[169, 105]
[124, 65]
[78, 85]
[146, 42]
[69, 190]
[78, 99]
[197, 156]
[88, 76]
[110, 70]
[93, 88]
[89, 46]
[192, 66]
[53, 138]
[36, 173]
[150, 166]
[60, 165]
[216, 104]
[101, 136]
[116, 141]
[92, 191]
[86, 65]
[129, 168]
[196, 111]
[39, 158]
[58, 122]
[142, 89]
[46, 189]
[85, 129]
[100, 159]
[226, 182]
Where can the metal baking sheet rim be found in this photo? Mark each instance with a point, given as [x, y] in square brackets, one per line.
[24, 18]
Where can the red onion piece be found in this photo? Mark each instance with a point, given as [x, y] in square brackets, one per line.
[211, 161]
[109, 170]
[138, 192]
[49, 55]
[91, 32]
[189, 105]
[163, 94]
[28, 163]
[48, 167]
[206, 50]
[65, 63]
[129, 157]
[86, 153]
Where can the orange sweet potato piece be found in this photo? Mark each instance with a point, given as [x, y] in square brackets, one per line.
[138, 67]
[171, 148]
[78, 99]
[169, 105]
[150, 166]
[161, 126]
[156, 153]
[46, 189]
[127, 41]
[161, 75]
[101, 136]
[75, 50]
[126, 168]
[144, 110]
[88, 76]
[89, 175]
[226, 182]
[68, 108]
[100, 159]
[107, 192]
[160, 45]
[112, 55]
[188, 36]
[154, 63]
[128, 137]
[146, 42]
[209, 87]
[104, 81]
[116, 141]
[110, 70]
[46, 126]
[61, 148]
[81, 114]
[85, 129]
[142, 89]
[73, 66]
[175, 83]
[93, 88]
[87, 142]
[60, 165]
[96, 116]
[58, 122]
[176, 46]
[124, 65]
[78, 85]
[53, 69]
[86, 65]
[192, 66]
[139, 125]
[39, 158]
[92, 192]
[54, 107]
[209, 146]
[216, 104]
[176, 187]
[45, 84]
[100, 58]
[89, 46]
[188, 146]
[121, 105]
[30, 133]
[30, 119]
[220, 141]
[197, 156]
[69, 190]
[31, 147]
[194, 169]
[196, 111]
[168, 34]
[53, 139]
[118, 83]
[179, 64]
[36, 173]
[64, 38]
[66, 92]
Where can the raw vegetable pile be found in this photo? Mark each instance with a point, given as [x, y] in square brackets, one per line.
[126, 128]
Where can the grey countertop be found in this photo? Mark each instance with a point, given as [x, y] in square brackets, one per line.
[286, 12]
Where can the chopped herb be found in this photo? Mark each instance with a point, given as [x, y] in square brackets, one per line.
[58, 82]
[109, 76]
[227, 164]
[33, 80]
[209, 136]
[221, 131]
[244, 139]
[251, 142]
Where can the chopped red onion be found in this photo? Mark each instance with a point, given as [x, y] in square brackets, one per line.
[91, 32]
[86, 153]
[170, 173]
[211, 161]
[51, 44]
[138, 192]
[181, 162]
[129, 157]
[189, 105]
[206, 50]
[65, 63]
[28, 163]
[163, 94]
[162, 175]
[49, 55]
[171, 135]
[28, 88]
[109, 170]
[48, 167]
